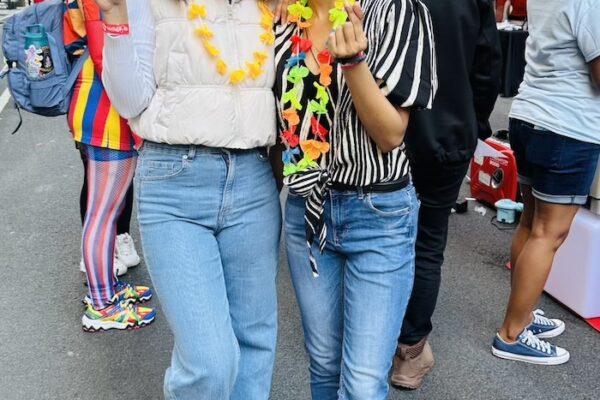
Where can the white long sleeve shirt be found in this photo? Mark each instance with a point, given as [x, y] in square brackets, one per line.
[162, 79]
[128, 62]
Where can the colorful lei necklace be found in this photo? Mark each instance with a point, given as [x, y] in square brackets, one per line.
[253, 69]
[301, 14]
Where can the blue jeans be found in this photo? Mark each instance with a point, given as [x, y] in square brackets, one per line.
[210, 222]
[352, 313]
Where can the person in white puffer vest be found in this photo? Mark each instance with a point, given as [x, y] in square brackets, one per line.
[194, 79]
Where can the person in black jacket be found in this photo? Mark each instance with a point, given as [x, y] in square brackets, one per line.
[440, 144]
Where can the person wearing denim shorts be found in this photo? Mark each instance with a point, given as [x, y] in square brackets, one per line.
[555, 136]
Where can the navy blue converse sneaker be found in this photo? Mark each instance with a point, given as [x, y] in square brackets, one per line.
[545, 328]
[530, 349]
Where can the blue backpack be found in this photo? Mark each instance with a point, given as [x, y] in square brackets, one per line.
[49, 95]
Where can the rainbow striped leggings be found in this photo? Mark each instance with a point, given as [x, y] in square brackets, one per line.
[109, 174]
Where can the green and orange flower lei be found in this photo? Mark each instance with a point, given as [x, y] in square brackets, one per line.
[313, 149]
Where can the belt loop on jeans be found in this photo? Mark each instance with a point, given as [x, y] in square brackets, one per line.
[191, 153]
[361, 192]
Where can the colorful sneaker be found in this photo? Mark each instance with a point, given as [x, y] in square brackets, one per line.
[127, 293]
[530, 349]
[119, 315]
[125, 251]
[545, 328]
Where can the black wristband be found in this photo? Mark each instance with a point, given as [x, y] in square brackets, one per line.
[360, 57]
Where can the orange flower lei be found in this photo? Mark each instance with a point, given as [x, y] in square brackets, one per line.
[253, 69]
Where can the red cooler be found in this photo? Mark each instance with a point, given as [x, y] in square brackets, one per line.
[494, 178]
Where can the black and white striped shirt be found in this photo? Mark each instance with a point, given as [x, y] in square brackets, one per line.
[401, 57]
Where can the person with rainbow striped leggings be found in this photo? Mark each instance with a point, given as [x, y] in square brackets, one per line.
[108, 146]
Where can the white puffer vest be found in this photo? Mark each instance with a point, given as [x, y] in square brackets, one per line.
[193, 104]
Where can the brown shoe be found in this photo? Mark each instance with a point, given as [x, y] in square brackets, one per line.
[411, 364]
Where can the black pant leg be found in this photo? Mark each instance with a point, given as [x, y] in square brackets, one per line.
[123, 223]
[438, 187]
[84, 188]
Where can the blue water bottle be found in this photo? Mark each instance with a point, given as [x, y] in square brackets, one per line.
[38, 59]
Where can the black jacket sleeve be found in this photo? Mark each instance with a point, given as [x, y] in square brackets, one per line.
[486, 69]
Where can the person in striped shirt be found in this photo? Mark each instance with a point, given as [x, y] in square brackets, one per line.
[351, 216]
[107, 146]
[126, 255]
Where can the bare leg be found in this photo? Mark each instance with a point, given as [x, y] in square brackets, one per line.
[551, 224]
[524, 229]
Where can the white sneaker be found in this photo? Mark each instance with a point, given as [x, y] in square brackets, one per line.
[120, 268]
[125, 251]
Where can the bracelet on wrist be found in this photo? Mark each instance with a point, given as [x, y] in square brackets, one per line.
[346, 67]
[351, 62]
[116, 30]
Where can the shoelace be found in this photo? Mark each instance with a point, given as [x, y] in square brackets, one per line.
[127, 288]
[533, 341]
[129, 310]
[538, 318]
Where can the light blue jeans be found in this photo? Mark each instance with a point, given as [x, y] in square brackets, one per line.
[210, 222]
[352, 313]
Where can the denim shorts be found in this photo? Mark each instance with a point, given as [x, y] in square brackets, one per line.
[559, 169]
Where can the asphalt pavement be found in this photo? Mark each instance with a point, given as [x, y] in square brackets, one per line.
[45, 355]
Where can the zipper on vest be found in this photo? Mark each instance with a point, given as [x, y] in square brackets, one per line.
[236, 101]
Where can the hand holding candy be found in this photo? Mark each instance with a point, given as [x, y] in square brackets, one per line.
[350, 39]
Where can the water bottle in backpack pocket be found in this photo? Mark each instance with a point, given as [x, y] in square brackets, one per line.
[38, 57]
